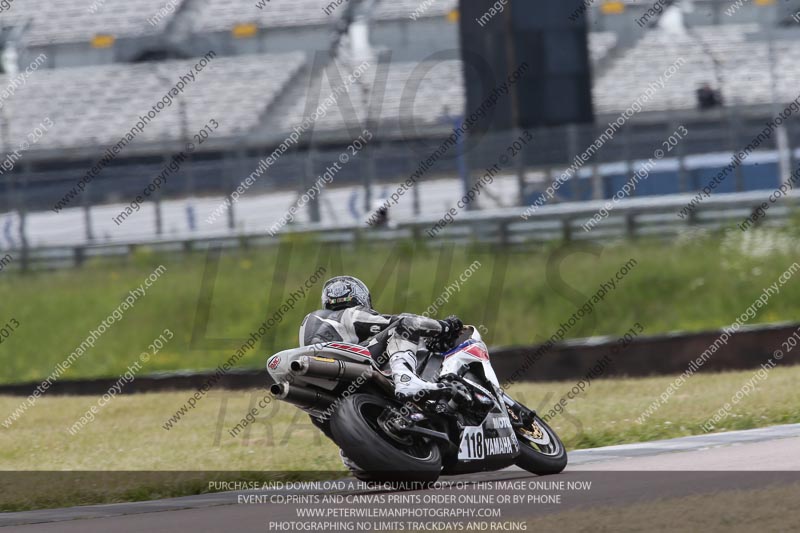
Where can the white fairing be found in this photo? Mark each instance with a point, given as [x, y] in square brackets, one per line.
[472, 351]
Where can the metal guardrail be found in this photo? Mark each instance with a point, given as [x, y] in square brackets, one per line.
[631, 218]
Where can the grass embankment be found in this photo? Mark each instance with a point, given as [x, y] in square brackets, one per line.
[689, 285]
[128, 433]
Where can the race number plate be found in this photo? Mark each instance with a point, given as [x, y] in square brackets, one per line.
[471, 447]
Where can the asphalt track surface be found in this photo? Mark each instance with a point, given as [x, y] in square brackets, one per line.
[619, 475]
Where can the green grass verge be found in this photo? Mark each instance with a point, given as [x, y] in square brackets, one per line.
[128, 435]
[521, 295]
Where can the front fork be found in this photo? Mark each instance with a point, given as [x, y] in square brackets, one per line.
[521, 417]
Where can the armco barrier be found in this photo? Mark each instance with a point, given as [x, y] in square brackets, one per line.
[645, 356]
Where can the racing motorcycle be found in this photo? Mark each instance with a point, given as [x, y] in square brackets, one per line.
[474, 426]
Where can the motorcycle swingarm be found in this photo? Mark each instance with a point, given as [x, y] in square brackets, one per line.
[430, 433]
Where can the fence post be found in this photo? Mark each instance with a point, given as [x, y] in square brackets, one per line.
[87, 215]
[566, 229]
[630, 225]
[79, 255]
[23, 219]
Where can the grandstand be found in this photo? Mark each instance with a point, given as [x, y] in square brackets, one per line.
[95, 106]
[404, 9]
[72, 21]
[601, 43]
[735, 56]
[222, 15]
[419, 94]
[106, 65]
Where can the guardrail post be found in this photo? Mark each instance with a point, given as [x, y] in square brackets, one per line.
[502, 229]
[23, 220]
[630, 225]
[87, 214]
[692, 218]
[79, 255]
[566, 229]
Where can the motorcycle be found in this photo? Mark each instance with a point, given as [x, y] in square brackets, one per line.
[474, 427]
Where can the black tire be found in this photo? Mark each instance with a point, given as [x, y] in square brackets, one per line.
[547, 459]
[357, 433]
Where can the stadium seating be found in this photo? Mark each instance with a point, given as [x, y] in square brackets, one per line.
[66, 21]
[94, 106]
[600, 44]
[222, 15]
[402, 9]
[741, 54]
[440, 93]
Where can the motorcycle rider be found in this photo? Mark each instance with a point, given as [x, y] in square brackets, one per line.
[347, 316]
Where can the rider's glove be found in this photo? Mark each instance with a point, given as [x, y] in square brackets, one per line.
[451, 328]
[456, 390]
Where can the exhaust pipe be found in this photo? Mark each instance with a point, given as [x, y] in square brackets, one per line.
[316, 368]
[301, 397]
[330, 369]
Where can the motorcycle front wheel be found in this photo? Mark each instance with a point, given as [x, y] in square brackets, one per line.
[358, 429]
[541, 451]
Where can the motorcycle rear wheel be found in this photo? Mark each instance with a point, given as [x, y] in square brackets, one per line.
[358, 432]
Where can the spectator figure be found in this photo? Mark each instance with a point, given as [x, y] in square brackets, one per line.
[707, 97]
[381, 217]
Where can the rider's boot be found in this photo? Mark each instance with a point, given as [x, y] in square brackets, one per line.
[407, 384]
